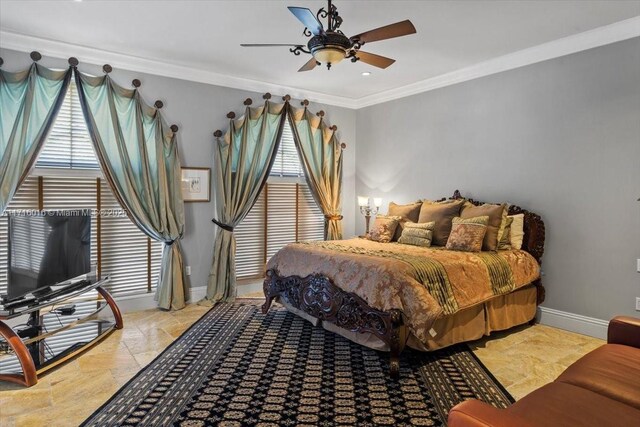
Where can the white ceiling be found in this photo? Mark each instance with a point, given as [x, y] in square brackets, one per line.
[205, 35]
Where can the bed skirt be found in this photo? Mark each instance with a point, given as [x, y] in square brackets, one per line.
[500, 313]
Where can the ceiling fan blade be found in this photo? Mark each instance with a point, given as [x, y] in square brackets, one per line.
[398, 29]
[308, 19]
[267, 44]
[375, 60]
[310, 65]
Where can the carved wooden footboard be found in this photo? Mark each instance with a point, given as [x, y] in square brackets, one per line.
[318, 297]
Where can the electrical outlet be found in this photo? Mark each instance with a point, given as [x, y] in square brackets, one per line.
[637, 304]
[187, 270]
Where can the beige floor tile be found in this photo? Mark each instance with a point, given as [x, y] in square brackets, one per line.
[145, 358]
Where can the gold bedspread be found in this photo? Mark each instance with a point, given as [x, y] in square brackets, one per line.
[425, 283]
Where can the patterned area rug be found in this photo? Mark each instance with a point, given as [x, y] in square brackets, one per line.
[237, 367]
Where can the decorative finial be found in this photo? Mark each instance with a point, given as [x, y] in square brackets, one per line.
[305, 102]
[35, 55]
[107, 68]
[248, 101]
[174, 128]
[217, 133]
[334, 128]
[136, 83]
[286, 98]
[158, 104]
[73, 61]
[343, 145]
[266, 96]
[231, 115]
[320, 113]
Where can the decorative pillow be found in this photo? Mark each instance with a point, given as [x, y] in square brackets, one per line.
[417, 234]
[496, 214]
[442, 213]
[383, 228]
[467, 234]
[505, 239]
[409, 212]
[516, 235]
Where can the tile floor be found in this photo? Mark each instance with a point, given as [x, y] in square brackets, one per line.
[522, 360]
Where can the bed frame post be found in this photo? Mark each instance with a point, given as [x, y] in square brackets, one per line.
[397, 342]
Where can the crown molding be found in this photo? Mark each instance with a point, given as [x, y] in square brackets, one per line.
[90, 55]
[600, 36]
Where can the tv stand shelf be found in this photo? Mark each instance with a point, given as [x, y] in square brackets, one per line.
[50, 337]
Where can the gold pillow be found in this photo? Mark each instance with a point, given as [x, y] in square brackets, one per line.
[383, 228]
[467, 234]
[442, 213]
[496, 214]
[409, 212]
[504, 242]
[516, 235]
[417, 234]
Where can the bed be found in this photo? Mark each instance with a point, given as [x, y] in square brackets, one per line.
[388, 295]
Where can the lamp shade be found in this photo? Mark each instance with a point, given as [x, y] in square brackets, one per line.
[363, 201]
[329, 55]
[377, 201]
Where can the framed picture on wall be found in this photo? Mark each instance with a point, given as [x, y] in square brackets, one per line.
[196, 184]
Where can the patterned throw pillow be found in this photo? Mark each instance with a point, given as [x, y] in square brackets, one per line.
[467, 234]
[417, 234]
[497, 218]
[383, 228]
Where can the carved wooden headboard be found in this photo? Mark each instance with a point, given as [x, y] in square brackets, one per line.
[533, 241]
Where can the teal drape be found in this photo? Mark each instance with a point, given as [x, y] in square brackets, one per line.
[29, 103]
[321, 156]
[139, 157]
[242, 163]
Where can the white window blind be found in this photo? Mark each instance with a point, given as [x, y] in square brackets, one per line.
[284, 213]
[122, 251]
[69, 145]
[287, 162]
[25, 198]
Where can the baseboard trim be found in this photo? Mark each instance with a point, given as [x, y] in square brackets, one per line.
[577, 323]
[147, 301]
[198, 293]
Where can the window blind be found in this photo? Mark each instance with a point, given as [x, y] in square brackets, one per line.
[287, 162]
[25, 198]
[118, 247]
[284, 213]
[68, 145]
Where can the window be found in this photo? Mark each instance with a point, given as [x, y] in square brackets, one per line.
[285, 212]
[67, 176]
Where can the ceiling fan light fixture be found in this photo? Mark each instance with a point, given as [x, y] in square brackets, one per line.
[329, 54]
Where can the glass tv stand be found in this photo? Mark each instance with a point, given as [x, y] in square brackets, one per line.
[36, 338]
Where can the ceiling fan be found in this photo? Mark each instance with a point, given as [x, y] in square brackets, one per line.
[330, 45]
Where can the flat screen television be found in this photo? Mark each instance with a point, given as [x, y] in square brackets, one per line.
[46, 249]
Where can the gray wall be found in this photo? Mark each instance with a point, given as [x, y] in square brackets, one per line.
[561, 138]
[199, 109]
